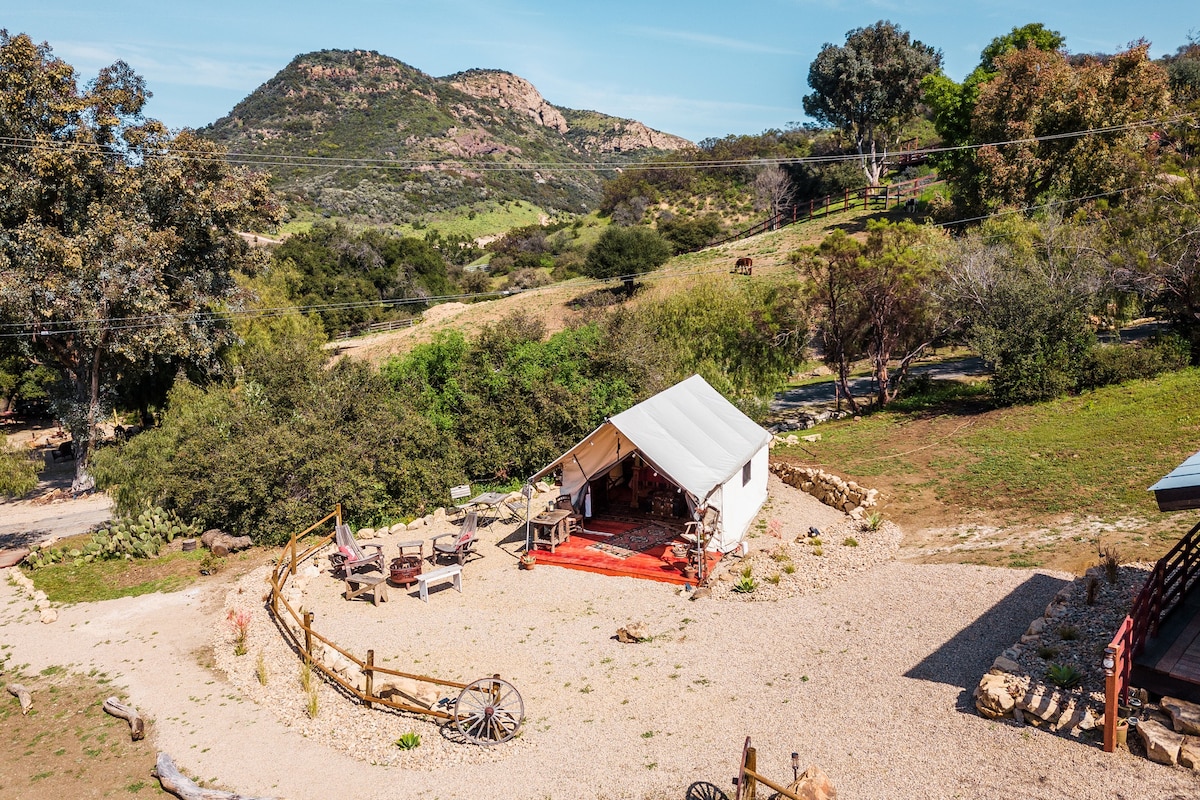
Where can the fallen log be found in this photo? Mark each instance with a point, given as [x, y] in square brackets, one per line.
[21, 693]
[222, 544]
[178, 784]
[137, 727]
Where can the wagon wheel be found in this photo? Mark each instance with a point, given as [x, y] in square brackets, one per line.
[489, 711]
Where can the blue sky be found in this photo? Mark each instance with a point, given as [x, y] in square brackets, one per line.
[695, 69]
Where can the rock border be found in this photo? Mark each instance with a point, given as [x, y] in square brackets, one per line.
[835, 492]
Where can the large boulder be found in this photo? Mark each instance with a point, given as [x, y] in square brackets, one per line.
[813, 784]
[1189, 752]
[1162, 743]
[1185, 716]
[992, 698]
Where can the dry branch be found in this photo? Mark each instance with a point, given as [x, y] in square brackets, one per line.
[176, 783]
[137, 727]
[21, 693]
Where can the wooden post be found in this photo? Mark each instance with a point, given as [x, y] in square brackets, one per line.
[369, 670]
[846, 200]
[1111, 655]
[308, 621]
[293, 547]
[750, 771]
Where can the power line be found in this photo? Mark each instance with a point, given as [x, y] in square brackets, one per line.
[74, 326]
[341, 162]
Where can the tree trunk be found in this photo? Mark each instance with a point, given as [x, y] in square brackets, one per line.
[222, 544]
[176, 783]
[87, 385]
[137, 727]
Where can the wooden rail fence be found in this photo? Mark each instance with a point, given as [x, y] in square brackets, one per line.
[301, 631]
[1173, 575]
[378, 327]
[879, 198]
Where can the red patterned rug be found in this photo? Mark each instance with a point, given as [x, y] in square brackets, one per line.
[638, 540]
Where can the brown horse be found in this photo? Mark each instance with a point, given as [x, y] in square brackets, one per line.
[743, 266]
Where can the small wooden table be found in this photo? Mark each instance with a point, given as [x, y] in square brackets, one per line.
[357, 584]
[550, 528]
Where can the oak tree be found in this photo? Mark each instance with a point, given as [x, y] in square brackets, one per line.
[118, 238]
[869, 88]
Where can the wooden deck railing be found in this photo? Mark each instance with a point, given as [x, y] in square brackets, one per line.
[1172, 577]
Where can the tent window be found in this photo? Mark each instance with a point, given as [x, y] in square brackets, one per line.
[746, 473]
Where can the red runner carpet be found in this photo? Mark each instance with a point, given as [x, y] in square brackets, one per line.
[656, 563]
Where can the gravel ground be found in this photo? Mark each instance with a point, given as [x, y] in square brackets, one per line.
[862, 664]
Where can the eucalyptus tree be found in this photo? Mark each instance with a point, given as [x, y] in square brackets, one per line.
[118, 238]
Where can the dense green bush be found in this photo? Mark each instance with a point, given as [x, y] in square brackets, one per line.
[1109, 364]
[18, 471]
[270, 454]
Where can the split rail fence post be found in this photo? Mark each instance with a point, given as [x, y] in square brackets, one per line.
[750, 771]
[369, 669]
[308, 621]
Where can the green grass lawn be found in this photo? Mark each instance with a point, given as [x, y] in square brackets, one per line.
[1093, 454]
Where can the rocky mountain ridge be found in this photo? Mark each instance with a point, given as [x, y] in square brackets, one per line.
[432, 143]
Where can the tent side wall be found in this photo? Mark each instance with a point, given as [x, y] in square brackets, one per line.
[739, 503]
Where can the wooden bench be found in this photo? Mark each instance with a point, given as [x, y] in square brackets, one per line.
[452, 572]
[357, 584]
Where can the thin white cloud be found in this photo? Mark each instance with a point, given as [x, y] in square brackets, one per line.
[722, 42]
[173, 65]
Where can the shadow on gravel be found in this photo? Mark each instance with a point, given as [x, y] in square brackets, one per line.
[964, 659]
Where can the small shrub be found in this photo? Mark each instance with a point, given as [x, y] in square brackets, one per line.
[774, 579]
[409, 741]
[1064, 676]
[874, 521]
[1047, 652]
[1110, 559]
[211, 564]
[815, 541]
[781, 554]
[312, 707]
[850, 541]
[260, 669]
[1068, 633]
[306, 676]
[789, 568]
[818, 551]
[239, 622]
[746, 583]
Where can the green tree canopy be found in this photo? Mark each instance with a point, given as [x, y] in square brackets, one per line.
[870, 88]
[117, 238]
[626, 253]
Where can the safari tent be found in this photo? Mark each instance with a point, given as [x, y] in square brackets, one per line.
[684, 450]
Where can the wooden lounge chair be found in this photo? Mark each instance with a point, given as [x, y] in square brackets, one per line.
[350, 557]
[461, 545]
[459, 493]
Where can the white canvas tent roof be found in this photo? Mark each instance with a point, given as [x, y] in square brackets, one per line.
[689, 432]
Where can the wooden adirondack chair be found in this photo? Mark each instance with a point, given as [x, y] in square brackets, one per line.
[350, 557]
[457, 493]
[461, 545]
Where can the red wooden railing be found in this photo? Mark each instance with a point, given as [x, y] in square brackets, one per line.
[1172, 577]
[865, 197]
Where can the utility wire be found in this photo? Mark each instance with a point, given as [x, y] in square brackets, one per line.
[339, 162]
[73, 326]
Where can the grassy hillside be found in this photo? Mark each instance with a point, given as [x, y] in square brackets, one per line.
[1042, 485]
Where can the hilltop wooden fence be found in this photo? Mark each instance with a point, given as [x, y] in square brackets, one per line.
[378, 327]
[868, 198]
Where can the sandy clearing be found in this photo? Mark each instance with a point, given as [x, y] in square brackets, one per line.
[870, 679]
